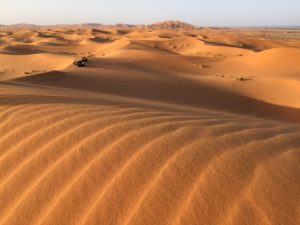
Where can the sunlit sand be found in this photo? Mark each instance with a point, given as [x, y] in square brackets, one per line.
[165, 124]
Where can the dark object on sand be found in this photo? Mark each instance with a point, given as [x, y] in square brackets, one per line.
[81, 63]
[244, 79]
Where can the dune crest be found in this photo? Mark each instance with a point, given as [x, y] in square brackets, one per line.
[168, 124]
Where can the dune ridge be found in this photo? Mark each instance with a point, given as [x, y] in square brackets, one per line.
[174, 125]
[164, 146]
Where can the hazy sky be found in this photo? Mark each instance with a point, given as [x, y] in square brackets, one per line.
[197, 12]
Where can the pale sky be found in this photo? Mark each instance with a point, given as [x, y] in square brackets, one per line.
[197, 12]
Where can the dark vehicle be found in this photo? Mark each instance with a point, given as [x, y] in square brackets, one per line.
[81, 63]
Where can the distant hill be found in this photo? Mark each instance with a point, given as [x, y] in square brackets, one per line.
[167, 25]
[123, 25]
[92, 24]
[24, 25]
[20, 26]
[172, 25]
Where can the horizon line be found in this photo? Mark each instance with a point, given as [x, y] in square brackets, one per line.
[141, 24]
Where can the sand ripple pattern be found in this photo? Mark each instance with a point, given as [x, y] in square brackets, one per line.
[73, 157]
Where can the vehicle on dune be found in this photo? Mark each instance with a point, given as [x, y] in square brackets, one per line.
[81, 63]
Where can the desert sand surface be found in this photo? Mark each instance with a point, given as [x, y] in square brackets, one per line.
[167, 124]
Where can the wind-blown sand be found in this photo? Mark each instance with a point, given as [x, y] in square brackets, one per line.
[178, 126]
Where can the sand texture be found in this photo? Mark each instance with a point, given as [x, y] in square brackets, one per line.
[167, 124]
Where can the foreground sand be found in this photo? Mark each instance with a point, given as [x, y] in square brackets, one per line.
[158, 129]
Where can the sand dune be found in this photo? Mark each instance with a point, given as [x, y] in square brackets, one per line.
[277, 59]
[137, 162]
[19, 65]
[190, 46]
[276, 67]
[153, 131]
[171, 25]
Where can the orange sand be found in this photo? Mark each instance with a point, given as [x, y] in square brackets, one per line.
[167, 124]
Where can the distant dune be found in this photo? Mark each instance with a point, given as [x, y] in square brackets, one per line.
[170, 25]
[167, 124]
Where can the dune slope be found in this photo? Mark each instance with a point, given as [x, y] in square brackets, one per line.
[118, 160]
[161, 127]
[115, 160]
